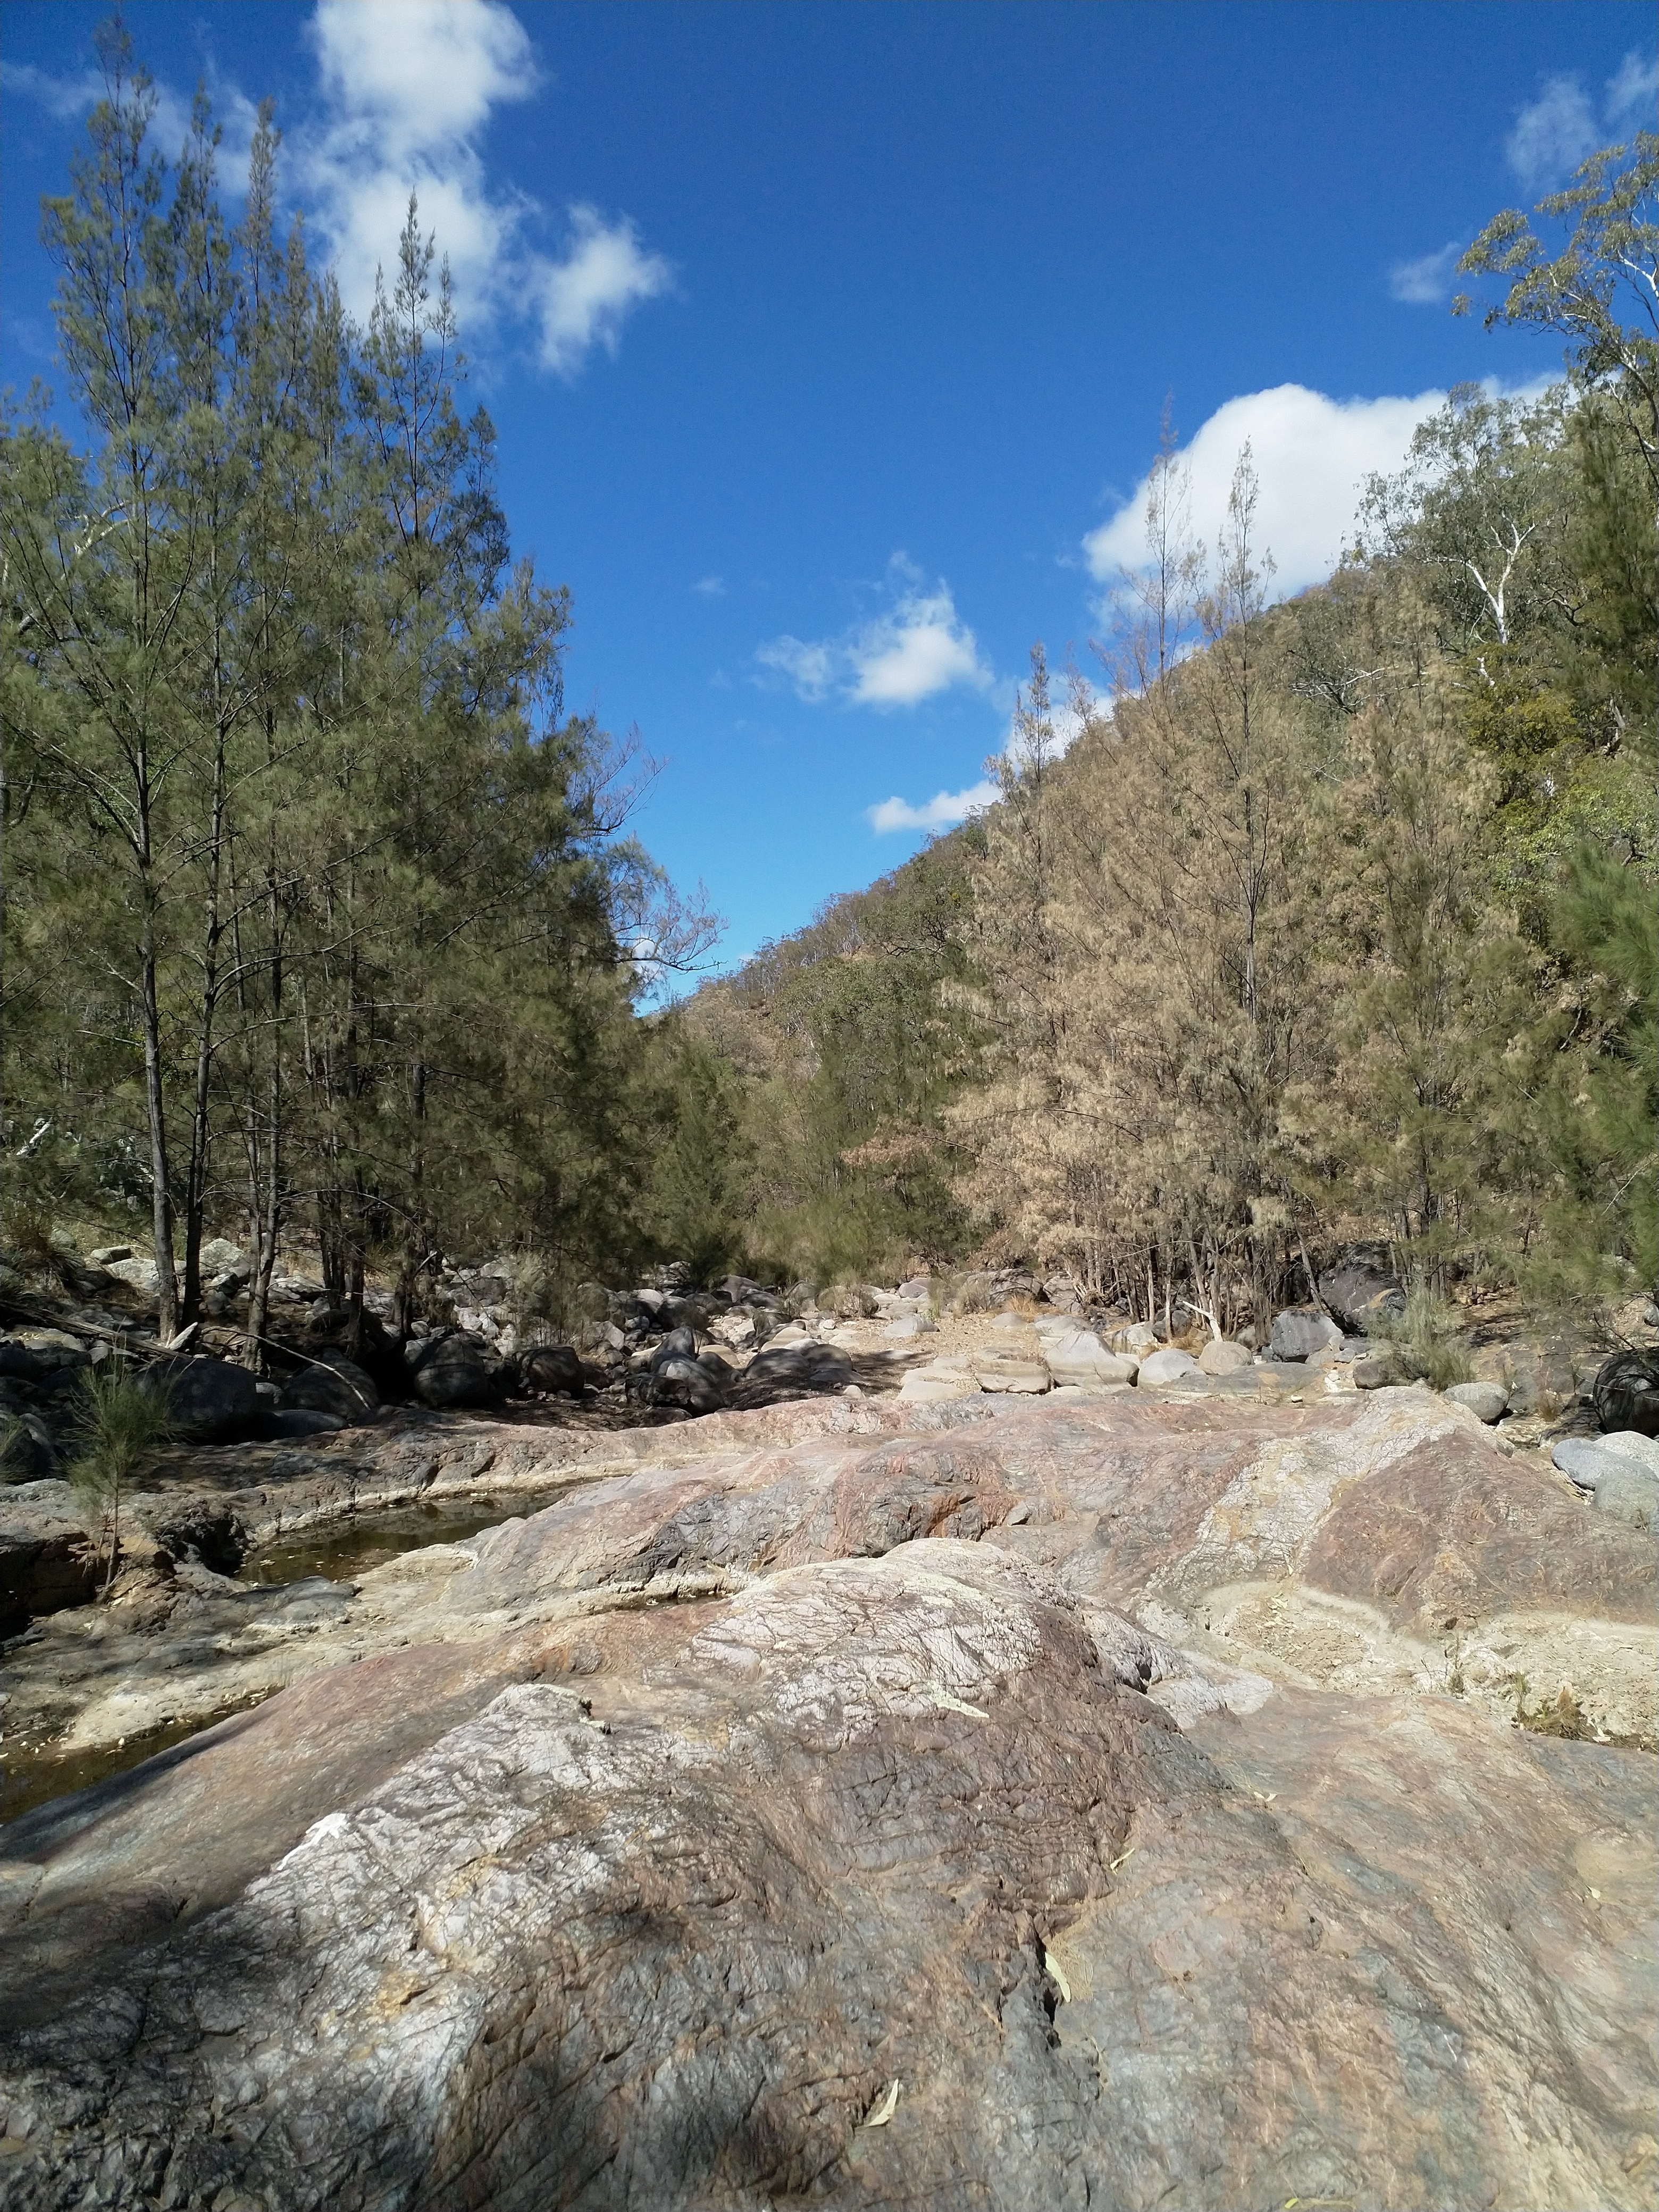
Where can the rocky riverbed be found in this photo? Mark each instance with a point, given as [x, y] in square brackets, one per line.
[1006, 1799]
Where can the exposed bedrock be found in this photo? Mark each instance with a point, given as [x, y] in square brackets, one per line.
[641, 1847]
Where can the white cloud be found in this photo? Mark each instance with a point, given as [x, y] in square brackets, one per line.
[1633, 92]
[61, 96]
[585, 297]
[1312, 455]
[1426, 280]
[407, 86]
[1553, 133]
[809, 668]
[943, 812]
[712, 588]
[919, 647]
[411, 76]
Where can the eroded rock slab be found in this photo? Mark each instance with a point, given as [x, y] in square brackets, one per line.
[869, 1821]
[1087, 1771]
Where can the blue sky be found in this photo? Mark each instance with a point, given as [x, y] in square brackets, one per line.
[828, 343]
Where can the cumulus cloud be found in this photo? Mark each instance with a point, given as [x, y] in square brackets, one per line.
[1426, 280]
[915, 647]
[1553, 133]
[408, 86]
[1312, 455]
[943, 812]
[405, 89]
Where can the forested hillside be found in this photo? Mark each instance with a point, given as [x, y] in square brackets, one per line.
[1336, 921]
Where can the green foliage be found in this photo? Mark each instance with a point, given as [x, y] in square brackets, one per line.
[1425, 1343]
[121, 1427]
[319, 901]
[1592, 1083]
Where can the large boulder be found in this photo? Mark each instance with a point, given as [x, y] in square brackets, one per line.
[1487, 1401]
[1362, 1289]
[1223, 1357]
[687, 1383]
[998, 1371]
[792, 1371]
[1077, 1356]
[1301, 1335]
[1160, 1369]
[210, 1401]
[451, 1372]
[1626, 1392]
[332, 1383]
[554, 1367]
[1630, 1493]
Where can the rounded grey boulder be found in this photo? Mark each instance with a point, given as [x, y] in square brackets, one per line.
[1487, 1401]
[1160, 1369]
[1299, 1335]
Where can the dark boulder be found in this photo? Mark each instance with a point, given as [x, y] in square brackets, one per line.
[454, 1371]
[1626, 1392]
[686, 1383]
[210, 1401]
[688, 1313]
[291, 1424]
[555, 1367]
[679, 1344]
[29, 1450]
[792, 1371]
[1362, 1287]
[332, 1383]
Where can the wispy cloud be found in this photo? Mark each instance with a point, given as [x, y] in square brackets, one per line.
[712, 588]
[1426, 280]
[943, 812]
[61, 96]
[75, 94]
[1312, 455]
[1633, 89]
[1553, 133]
[408, 89]
[917, 647]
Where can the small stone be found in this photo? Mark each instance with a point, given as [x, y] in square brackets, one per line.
[1371, 1373]
[1487, 1401]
